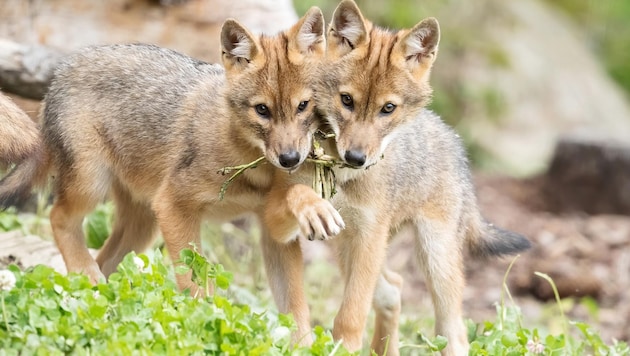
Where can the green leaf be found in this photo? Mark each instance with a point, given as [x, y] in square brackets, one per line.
[9, 221]
[223, 280]
[509, 339]
[440, 342]
[97, 226]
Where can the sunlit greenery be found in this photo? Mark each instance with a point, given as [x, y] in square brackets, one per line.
[140, 311]
[607, 25]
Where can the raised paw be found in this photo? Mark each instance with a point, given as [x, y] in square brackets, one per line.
[319, 220]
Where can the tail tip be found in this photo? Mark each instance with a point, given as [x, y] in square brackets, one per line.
[501, 243]
[9, 200]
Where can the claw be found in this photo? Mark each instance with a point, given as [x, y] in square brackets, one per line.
[319, 221]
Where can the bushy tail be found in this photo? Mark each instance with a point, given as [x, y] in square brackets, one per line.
[16, 187]
[492, 241]
[21, 143]
[19, 135]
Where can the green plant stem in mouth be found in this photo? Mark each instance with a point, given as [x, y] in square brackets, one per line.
[323, 178]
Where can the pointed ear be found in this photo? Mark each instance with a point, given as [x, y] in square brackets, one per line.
[420, 46]
[238, 46]
[347, 30]
[306, 38]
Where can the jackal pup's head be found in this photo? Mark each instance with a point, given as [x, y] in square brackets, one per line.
[373, 81]
[271, 83]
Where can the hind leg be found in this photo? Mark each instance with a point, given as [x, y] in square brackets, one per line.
[72, 202]
[440, 254]
[134, 228]
[387, 305]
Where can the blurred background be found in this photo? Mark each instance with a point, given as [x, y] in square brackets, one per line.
[538, 89]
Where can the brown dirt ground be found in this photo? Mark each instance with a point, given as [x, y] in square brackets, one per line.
[586, 255]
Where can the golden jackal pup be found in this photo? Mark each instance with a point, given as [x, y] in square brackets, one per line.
[150, 128]
[373, 93]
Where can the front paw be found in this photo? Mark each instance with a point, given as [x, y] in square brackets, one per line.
[91, 270]
[320, 220]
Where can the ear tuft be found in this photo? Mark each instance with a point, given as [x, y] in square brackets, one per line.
[238, 45]
[347, 29]
[310, 37]
[421, 43]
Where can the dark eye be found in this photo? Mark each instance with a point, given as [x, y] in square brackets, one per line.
[388, 108]
[347, 101]
[303, 106]
[262, 110]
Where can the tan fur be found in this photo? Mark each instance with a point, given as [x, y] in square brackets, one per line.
[411, 172]
[291, 210]
[316, 218]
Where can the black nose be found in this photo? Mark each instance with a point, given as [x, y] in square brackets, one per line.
[289, 159]
[355, 158]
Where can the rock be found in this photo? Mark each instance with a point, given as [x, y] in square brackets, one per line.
[525, 78]
[191, 26]
[28, 251]
[26, 70]
[589, 176]
[39, 34]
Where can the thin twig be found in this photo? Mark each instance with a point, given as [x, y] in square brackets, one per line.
[239, 170]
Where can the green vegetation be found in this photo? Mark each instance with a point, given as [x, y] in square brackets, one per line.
[140, 311]
[97, 225]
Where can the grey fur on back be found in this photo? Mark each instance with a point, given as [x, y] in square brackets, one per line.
[139, 86]
[126, 92]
